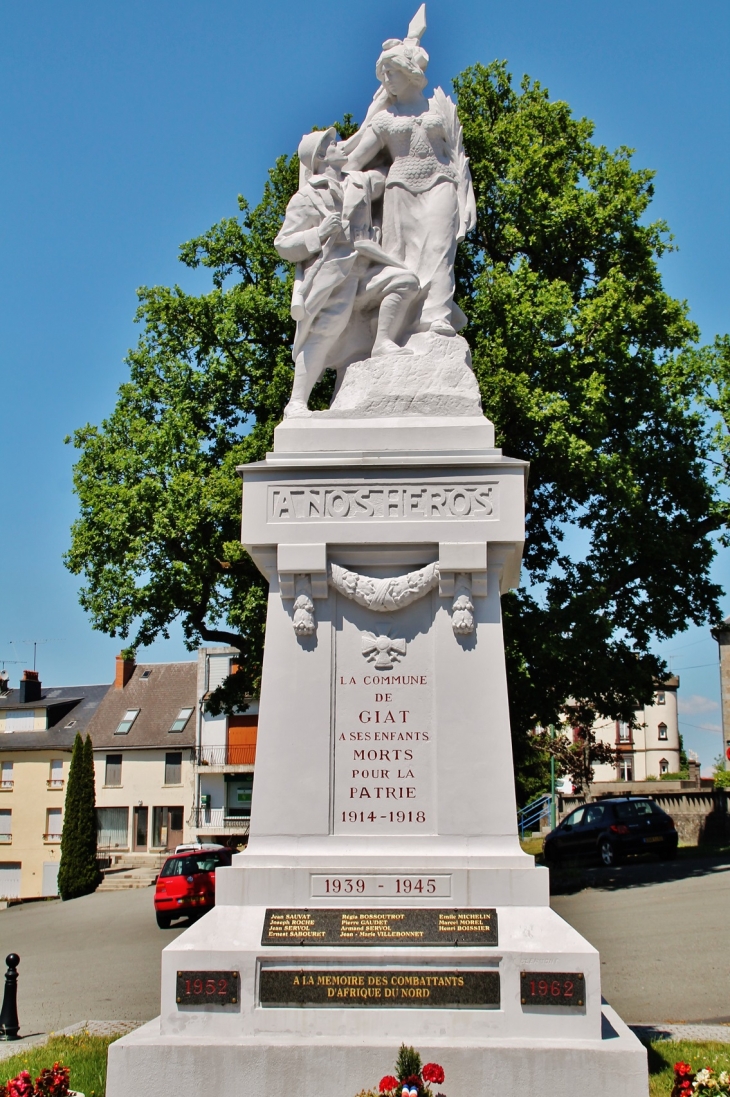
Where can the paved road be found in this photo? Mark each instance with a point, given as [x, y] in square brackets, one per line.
[664, 943]
[97, 957]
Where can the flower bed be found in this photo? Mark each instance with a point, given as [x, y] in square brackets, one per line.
[410, 1078]
[702, 1083]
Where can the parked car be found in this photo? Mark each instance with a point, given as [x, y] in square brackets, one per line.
[186, 884]
[612, 829]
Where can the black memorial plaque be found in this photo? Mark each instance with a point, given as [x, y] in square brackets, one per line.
[355, 926]
[552, 988]
[207, 988]
[362, 988]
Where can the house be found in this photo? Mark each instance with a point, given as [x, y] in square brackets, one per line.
[37, 731]
[224, 758]
[650, 750]
[143, 733]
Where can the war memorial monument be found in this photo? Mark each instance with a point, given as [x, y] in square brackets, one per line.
[383, 897]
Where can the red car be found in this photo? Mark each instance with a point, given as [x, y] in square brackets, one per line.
[186, 884]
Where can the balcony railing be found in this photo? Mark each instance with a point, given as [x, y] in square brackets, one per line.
[5, 839]
[55, 782]
[219, 819]
[6, 786]
[52, 837]
[226, 756]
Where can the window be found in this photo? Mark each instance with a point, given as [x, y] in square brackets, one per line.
[663, 764]
[112, 826]
[574, 818]
[200, 862]
[240, 792]
[6, 825]
[181, 719]
[19, 721]
[173, 768]
[626, 768]
[663, 731]
[636, 809]
[127, 720]
[113, 771]
[70, 724]
[6, 778]
[661, 698]
[145, 675]
[624, 732]
[53, 825]
[595, 814]
[55, 777]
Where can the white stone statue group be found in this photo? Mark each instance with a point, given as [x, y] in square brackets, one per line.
[375, 223]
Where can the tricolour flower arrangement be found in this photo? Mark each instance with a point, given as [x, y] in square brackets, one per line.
[701, 1084]
[51, 1082]
[410, 1078]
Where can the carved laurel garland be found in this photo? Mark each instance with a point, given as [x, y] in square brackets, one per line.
[384, 595]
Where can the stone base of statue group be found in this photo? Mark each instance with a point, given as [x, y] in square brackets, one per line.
[384, 897]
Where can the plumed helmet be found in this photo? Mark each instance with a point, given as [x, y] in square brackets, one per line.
[407, 54]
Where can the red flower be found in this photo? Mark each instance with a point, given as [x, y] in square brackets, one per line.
[387, 1083]
[682, 1069]
[432, 1072]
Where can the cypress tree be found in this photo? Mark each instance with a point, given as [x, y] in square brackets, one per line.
[89, 876]
[67, 867]
[78, 873]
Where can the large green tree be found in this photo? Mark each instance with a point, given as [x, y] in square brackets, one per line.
[575, 347]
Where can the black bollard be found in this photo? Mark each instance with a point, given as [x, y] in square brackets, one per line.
[9, 1025]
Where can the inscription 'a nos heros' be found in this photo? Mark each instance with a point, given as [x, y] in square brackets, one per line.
[293, 503]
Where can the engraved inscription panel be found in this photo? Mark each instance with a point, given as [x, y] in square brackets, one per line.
[447, 927]
[434, 988]
[386, 886]
[207, 988]
[384, 749]
[382, 502]
[552, 988]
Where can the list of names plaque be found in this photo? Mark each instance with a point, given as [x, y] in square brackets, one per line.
[448, 927]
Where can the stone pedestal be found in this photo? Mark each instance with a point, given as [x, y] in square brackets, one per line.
[384, 783]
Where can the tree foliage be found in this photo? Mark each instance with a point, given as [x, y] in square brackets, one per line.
[78, 872]
[574, 342]
[586, 368]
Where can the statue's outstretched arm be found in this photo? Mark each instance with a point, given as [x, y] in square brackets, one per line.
[369, 145]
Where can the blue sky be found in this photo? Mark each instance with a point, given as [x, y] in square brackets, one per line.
[127, 128]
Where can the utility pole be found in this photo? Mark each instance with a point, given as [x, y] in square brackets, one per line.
[553, 814]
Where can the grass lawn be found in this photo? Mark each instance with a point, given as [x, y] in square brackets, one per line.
[663, 1054]
[84, 1055]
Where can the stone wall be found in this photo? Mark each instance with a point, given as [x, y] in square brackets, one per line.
[700, 815]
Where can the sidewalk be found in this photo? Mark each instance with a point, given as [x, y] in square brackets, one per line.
[95, 1028]
[718, 1033]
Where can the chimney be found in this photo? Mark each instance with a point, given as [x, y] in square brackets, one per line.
[125, 670]
[30, 687]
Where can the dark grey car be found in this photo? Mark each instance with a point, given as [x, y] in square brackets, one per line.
[609, 830]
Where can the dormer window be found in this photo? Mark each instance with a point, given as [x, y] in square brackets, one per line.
[181, 719]
[145, 675]
[127, 720]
